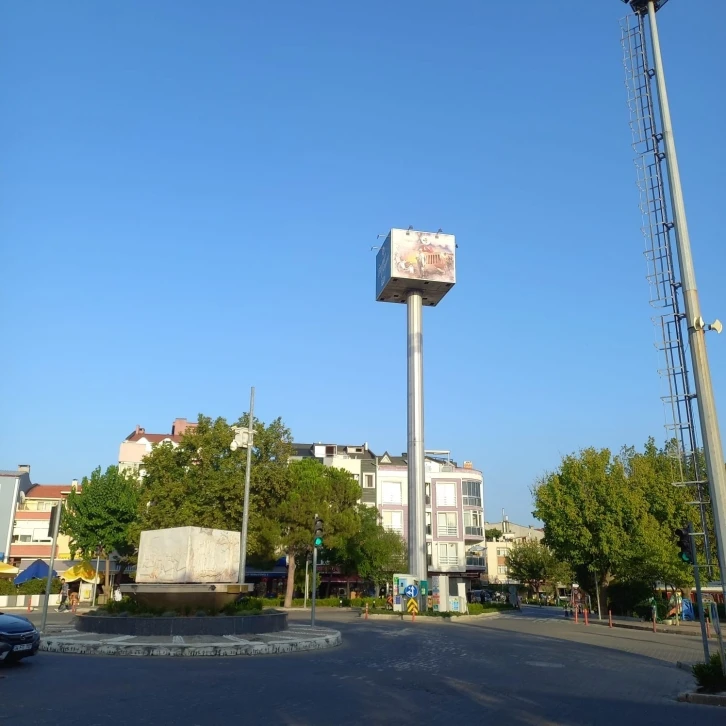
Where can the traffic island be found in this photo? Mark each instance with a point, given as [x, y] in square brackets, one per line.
[296, 638]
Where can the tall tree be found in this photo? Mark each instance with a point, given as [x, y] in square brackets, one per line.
[373, 552]
[200, 483]
[314, 489]
[101, 516]
[531, 562]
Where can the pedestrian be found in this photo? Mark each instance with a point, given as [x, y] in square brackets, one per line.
[63, 604]
[74, 601]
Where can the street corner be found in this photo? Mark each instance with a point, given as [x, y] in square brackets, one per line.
[299, 638]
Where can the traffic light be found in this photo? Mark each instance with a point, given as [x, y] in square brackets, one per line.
[684, 543]
[318, 535]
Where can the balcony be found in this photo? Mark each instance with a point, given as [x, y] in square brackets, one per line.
[474, 531]
[476, 562]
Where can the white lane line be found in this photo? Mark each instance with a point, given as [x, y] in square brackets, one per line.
[236, 639]
[177, 640]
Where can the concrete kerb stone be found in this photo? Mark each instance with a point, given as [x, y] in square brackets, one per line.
[427, 618]
[704, 699]
[91, 646]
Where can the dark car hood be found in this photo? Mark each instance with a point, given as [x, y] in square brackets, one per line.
[14, 624]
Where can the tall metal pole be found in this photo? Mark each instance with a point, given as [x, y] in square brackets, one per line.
[696, 332]
[307, 566]
[416, 471]
[246, 508]
[699, 595]
[95, 580]
[49, 580]
[315, 587]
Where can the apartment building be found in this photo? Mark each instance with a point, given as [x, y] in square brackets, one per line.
[13, 485]
[497, 549]
[30, 539]
[454, 500]
[139, 443]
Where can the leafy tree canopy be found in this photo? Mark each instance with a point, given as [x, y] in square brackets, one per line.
[102, 514]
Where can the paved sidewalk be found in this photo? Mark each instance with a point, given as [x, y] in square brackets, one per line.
[296, 638]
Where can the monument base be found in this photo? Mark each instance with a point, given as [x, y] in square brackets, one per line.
[213, 596]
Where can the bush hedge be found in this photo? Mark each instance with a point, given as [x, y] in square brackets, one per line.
[710, 676]
[127, 606]
[31, 587]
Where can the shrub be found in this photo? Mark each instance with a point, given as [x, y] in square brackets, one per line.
[710, 676]
[476, 608]
[7, 587]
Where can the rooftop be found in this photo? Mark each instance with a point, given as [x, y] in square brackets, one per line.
[48, 491]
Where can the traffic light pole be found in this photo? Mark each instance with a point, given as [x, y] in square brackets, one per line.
[699, 595]
[315, 587]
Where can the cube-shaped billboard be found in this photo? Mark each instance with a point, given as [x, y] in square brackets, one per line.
[410, 260]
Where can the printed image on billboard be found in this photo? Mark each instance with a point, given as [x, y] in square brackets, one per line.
[423, 256]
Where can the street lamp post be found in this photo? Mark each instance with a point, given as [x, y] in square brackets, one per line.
[244, 438]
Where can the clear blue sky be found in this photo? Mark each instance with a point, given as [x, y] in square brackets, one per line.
[190, 192]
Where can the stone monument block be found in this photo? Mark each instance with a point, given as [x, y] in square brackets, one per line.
[185, 555]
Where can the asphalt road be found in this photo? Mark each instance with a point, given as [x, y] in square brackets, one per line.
[531, 669]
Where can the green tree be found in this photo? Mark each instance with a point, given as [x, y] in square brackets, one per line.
[492, 533]
[313, 489]
[531, 562]
[200, 483]
[372, 552]
[102, 515]
[614, 517]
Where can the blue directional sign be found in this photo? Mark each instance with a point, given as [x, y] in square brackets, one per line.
[411, 591]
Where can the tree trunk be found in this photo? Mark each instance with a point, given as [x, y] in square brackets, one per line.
[290, 580]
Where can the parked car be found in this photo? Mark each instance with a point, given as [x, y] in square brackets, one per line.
[18, 638]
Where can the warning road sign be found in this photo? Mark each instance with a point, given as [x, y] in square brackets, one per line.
[412, 606]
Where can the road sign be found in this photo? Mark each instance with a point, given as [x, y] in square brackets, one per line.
[411, 591]
[424, 585]
[412, 606]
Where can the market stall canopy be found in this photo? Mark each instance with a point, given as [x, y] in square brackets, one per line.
[7, 570]
[82, 571]
[38, 570]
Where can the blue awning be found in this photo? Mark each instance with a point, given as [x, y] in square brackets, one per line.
[38, 570]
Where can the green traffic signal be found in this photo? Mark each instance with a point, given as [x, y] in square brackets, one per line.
[318, 535]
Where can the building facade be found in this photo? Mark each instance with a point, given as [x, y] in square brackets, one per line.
[497, 550]
[454, 501]
[31, 539]
[138, 444]
[13, 485]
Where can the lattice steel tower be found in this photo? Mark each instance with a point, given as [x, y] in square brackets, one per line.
[679, 325]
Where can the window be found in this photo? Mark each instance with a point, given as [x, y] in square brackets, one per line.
[472, 522]
[446, 524]
[331, 451]
[428, 522]
[471, 493]
[22, 538]
[502, 552]
[502, 569]
[391, 492]
[429, 554]
[427, 489]
[445, 494]
[393, 521]
[448, 553]
[368, 482]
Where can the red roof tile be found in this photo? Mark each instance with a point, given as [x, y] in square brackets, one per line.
[49, 491]
[153, 438]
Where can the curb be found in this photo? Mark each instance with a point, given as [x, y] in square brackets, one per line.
[688, 667]
[704, 699]
[97, 647]
[427, 618]
[668, 629]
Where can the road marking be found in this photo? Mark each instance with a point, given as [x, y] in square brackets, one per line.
[236, 639]
[119, 639]
[542, 664]
[177, 640]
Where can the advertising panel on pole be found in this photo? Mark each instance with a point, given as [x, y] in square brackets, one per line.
[412, 260]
